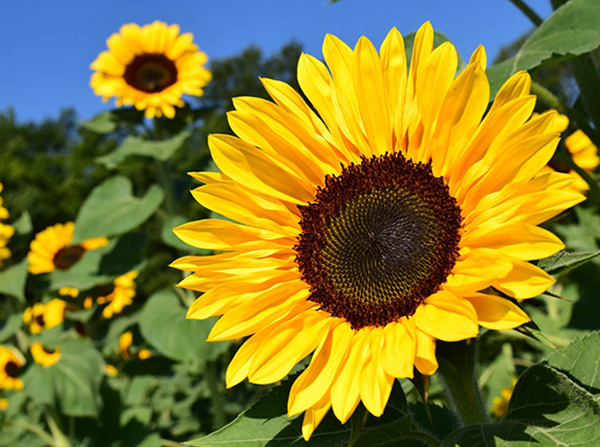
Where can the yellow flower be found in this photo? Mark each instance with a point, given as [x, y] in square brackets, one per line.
[44, 316]
[144, 354]
[51, 249]
[125, 341]
[11, 362]
[375, 222]
[584, 154]
[150, 67]
[120, 296]
[68, 291]
[43, 356]
[110, 370]
[3, 211]
[500, 403]
[3, 404]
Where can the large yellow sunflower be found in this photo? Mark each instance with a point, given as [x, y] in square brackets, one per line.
[51, 249]
[150, 67]
[11, 362]
[391, 218]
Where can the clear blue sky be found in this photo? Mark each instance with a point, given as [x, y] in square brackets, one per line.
[46, 46]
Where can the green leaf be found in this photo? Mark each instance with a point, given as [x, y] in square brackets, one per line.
[265, 424]
[438, 39]
[163, 324]
[583, 369]
[101, 123]
[103, 265]
[72, 382]
[160, 150]
[564, 261]
[571, 30]
[553, 404]
[111, 209]
[23, 224]
[13, 279]
[10, 326]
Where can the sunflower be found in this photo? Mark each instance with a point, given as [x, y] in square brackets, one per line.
[51, 249]
[150, 67]
[3, 211]
[11, 362]
[68, 291]
[396, 215]
[44, 356]
[120, 295]
[45, 316]
[500, 403]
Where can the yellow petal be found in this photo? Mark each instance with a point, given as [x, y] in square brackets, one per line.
[398, 353]
[375, 383]
[447, 317]
[524, 281]
[497, 313]
[425, 360]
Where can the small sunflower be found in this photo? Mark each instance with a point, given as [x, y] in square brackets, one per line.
[392, 213]
[3, 404]
[68, 291]
[150, 67]
[583, 152]
[11, 362]
[51, 249]
[500, 403]
[45, 316]
[111, 370]
[125, 341]
[44, 356]
[6, 232]
[121, 295]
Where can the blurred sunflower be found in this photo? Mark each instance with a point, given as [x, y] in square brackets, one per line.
[150, 67]
[43, 356]
[45, 316]
[121, 295]
[583, 152]
[500, 403]
[6, 231]
[389, 219]
[11, 362]
[51, 249]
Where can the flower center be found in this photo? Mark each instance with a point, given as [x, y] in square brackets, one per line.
[39, 319]
[151, 73]
[12, 369]
[68, 256]
[378, 240]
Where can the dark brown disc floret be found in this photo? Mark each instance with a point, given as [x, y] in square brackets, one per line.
[12, 369]
[151, 73]
[378, 240]
[68, 256]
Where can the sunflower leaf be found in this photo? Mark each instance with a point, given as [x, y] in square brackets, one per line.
[111, 209]
[265, 424]
[101, 123]
[12, 280]
[557, 37]
[163, 324]
[72, 382]
[160, 150]
[564, 261]
[553, 404]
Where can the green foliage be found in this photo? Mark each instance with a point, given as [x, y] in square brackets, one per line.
[164, 326]
[12, 280]
[555, 37]
[564, 261]
[111, 209]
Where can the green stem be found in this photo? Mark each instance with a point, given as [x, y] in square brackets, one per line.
[359, 419]
[35, 430]
[163, 171]
[457, 367]
[60, 439]
[530, 13]
[215, 394]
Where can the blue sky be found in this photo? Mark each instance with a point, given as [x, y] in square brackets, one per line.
[46, 46]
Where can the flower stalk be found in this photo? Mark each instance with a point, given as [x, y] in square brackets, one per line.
[457, 368]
